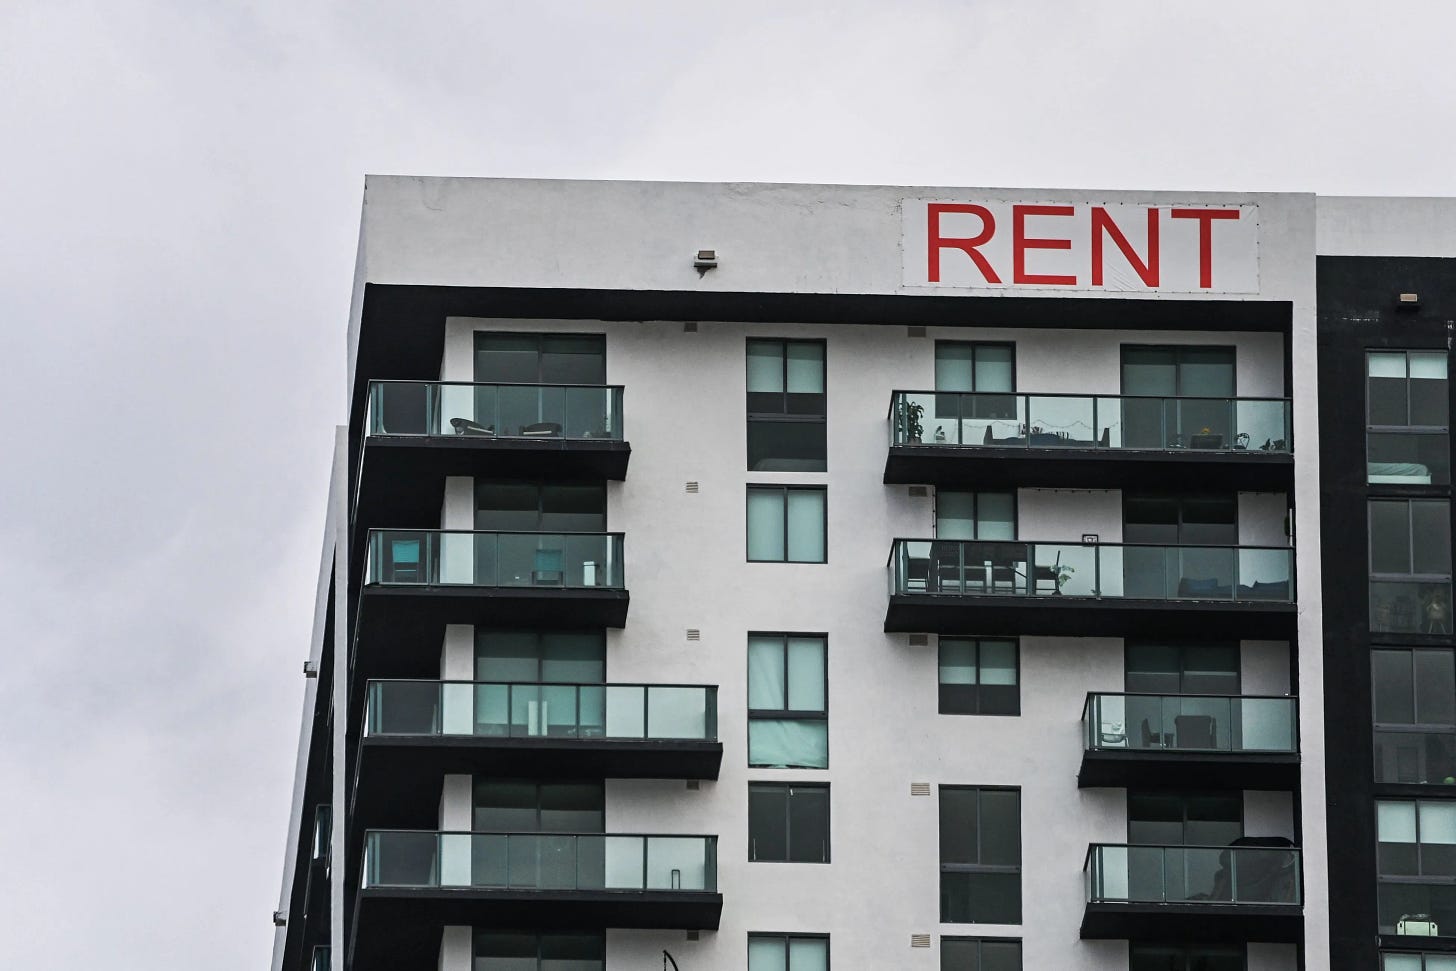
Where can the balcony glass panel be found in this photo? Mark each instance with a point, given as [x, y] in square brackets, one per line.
[1193, 875]
[540, 861]
[1190, 723]
[531, 710]
[495, 559]
[1104, 570]
[1416, 756]
[526, 411]
[1010, 420]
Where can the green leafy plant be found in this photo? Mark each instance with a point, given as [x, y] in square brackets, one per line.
[913, 428]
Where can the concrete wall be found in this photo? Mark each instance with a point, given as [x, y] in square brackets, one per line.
[686, 568]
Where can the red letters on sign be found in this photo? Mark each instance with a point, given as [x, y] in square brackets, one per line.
[1020, 244]
[968, 246]
[1205, 219]
[1146, 271]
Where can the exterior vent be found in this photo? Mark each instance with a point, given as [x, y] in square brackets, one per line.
[694, 634]
[280, 919]
[919, 940]
[919, 640]
[915, 332]
[691, 487]
[919, 492]
[693, 935]
[694, 785]
[690, 326]
[310, 670]
[920, 789]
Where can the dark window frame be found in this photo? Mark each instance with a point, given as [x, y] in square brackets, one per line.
[540, 338]
[1418, 877]
[483, 631]
[540, 485]
[973, 868]
[1190, 952]
[788, 936]
[1178, 351]
[974, 347]
[784, 490]
[1415, 693]
[786, 713]
[1015, 643]
[789, 788]
[540, 935]
[479, 778]
[1408, 426]
[1410, 537]
[976, 495]
[1184, 795]
[784, 415]
[978, 940]
[1181, 501]
[1181, 648]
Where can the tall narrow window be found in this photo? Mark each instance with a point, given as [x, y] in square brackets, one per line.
[978, 676]
[980, 855]
[1410, 566]
[1178, 397]
[1415, 715]
[979, 954]
[786, 406]
[786, 524]
[788, 703]
[1408, 417]
[1415, 863]
[543, 385]
[1206, 566]
[788, 823]
[788, 952]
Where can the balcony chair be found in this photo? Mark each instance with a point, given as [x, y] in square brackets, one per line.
[547, 570]
[404, 561]
[542, 429]
[464, 426]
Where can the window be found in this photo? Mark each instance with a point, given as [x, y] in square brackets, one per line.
[980, 855]
[786, 524]
[979, 954]
[561, 657]
[1184, 819]
[540, 358]
[1182, 669]
[1193, 520]
[1164, 386]
[985, 374]
[962, 366]
[1206, 528]
[978, 676]
[514, 951]
[1164, 957]
[786, 429]
[532, 806]
[1416, 861]
[536, 507]
[788, 952]
[975, 515]
[788, 823]
[1417, 962]
[1410, 566]
[522, 364]
[1408, 414]
[1415, 715]
[788, 701]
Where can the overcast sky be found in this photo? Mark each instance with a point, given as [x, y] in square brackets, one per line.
[179, 203]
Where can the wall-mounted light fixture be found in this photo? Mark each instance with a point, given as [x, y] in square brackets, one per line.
[310, 670]
[706, 260]
[1408, 301]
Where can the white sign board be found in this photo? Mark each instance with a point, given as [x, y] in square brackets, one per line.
[1112, 246]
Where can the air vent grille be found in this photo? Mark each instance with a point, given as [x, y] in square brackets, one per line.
[919, 492]
[690, 327]
[919, 640]
[919, 788]
[919, 940]
[693, 935]
[694, 785]
[694, 634]
[691, 487]
[915, 332]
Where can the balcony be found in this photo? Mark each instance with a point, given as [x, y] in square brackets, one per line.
[1088, 441]
[1189, 741]
[414, 883]
[415, 732]
[1089, 589]
[416, 581]
[419, 432]
[1246, 892]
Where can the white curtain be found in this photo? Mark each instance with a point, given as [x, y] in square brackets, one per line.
[788, 743]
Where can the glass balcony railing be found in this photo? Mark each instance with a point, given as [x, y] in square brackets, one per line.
[417, 557]
[528, 411]
[1190, 723]
[1415, 754]
[560, 711]
[1192, 875]
[1117, 422]
[320, 959]
[540, 861]
[963, 568]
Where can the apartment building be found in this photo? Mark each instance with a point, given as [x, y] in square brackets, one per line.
[778, 577]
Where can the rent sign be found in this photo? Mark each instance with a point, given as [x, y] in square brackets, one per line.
[1122, 247]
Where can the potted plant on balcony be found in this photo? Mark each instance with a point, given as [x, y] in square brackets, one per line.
[913, 428]
[1062, 572]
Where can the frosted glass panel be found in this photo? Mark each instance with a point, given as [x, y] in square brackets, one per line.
[1435, 962]
[765, 524]
[766, 955]
[1387, 365]
[765, 672]
[676, 864]
[624, 862]
[677, 713]
[955, 515]
[1438, 823]
[808, 955]
[457, 557]
[806, 368]
[625, 712]
[1396, 822]
[456, 401]
[788, 743]
[957, 662]
[1113, 872]
[457, 709]
[1427, 365]
[993, 369]
[1408, 962]
[806, 526]
[997, 516]
[766, 367]
[455, 859]
[1267, 725]
[806, 674]
[998, 662]
[954, 370]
